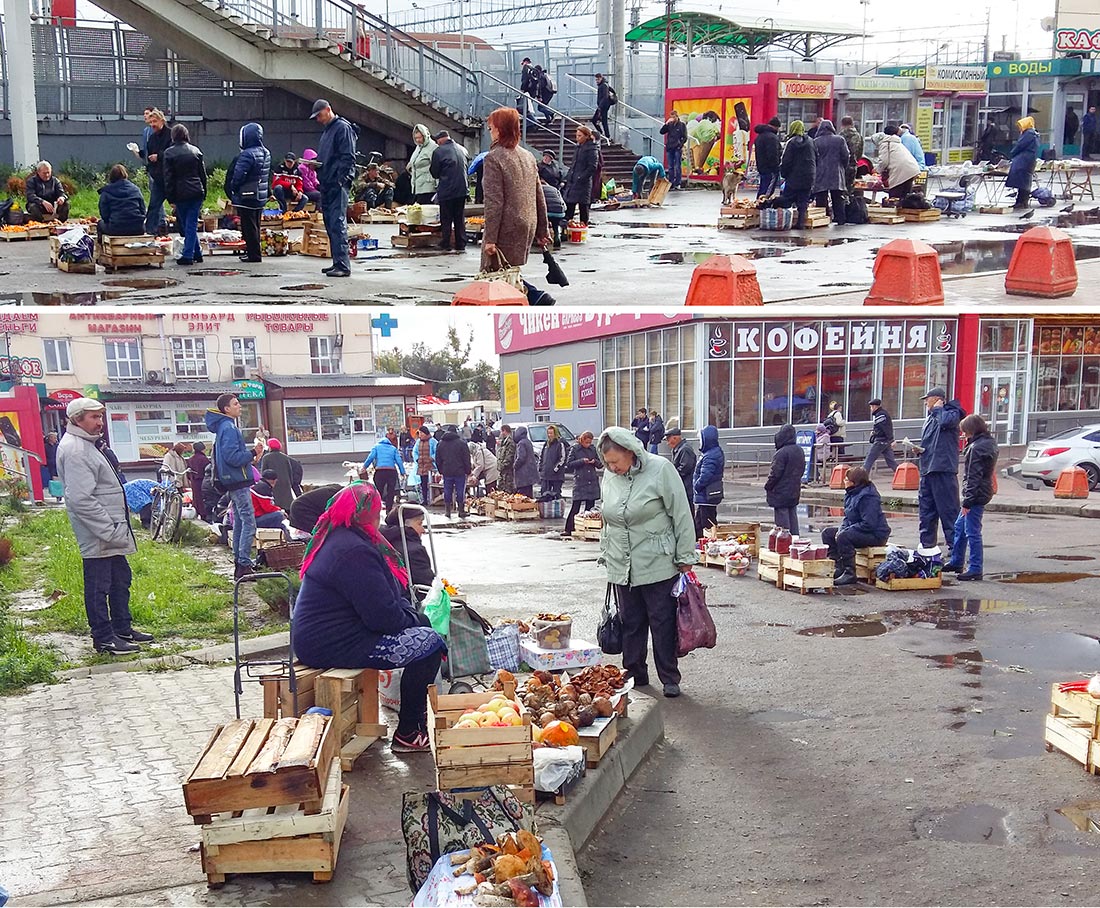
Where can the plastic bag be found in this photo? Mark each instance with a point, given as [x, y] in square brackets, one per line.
[389, 688]
[694, 627]
[437, 606]
[554, 766]
[504, 648]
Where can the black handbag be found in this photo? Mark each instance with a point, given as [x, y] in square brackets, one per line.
[609, 633]
[554, 274]
[715, 492]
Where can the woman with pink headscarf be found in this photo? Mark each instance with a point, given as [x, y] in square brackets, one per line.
[351, 610]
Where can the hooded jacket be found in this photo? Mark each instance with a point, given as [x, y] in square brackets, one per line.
[1024, 155]
[831, 152]
[263, 499]
[895, 164]
[647, 527]
[940, 439]
[122, 209]
[184, 173]
[854, 140]
[310, 180]
[684, 459]
[452, 457]
[913, 146]
[979, 462]
[585, 464]
[656, 431]
[799, 164]
[706, 483]
[506, 453]
[483, 463]
[784, 483]
[247, 187]
[94, 497]
[526, 465]
[284, 488]
[863, 513]
[232, 459]
[767, 146]
[385, 456]
[420, 164]
[552, 459]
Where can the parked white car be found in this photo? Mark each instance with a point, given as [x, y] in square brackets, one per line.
[1079, 447]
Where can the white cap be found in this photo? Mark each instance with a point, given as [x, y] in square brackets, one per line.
[82, 405]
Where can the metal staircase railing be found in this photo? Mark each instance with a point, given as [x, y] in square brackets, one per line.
[647, 138]
[372, 43]
[498, 93]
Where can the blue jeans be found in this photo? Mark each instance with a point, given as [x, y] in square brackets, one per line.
[273, 521]
[107, 597]
[154, 214]
[454, 487]
[334, 210]
[187, 213]
[768, 182]
[938, 502]
[968, 530]
[674, 165]
[281, 196]
[244, 524]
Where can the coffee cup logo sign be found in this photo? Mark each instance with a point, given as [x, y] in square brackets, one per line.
[541, 388]
[719, 346]
[587, 394]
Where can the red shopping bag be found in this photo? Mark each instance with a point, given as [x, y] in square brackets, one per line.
[694, 627]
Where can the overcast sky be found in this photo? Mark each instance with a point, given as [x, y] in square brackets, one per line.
[429, 324]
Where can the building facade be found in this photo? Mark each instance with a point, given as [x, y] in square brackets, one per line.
[1029, 377]
[306, 377]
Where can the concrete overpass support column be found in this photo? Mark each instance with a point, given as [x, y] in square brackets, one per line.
[24, 110]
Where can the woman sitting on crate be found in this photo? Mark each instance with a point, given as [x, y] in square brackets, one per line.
[863, 525]
[351, 610]
[412, 527]
[121, 206]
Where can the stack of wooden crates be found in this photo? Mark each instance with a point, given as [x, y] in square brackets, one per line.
[1073, 726]
[270, 797]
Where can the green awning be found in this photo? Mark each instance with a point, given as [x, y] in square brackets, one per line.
[696, 29]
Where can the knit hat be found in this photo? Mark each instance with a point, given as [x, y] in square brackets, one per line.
[797, 128]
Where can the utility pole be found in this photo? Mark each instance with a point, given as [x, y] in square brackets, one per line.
[24, 111]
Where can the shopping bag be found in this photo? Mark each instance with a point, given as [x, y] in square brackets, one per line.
[554, 274]
[437, 606]
[438, 822]
[467, 647]
[504, 272]
[389, 688]
[503, 646]
[609, 632]
[694, 626]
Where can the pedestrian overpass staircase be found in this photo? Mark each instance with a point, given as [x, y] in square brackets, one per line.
[372, 72]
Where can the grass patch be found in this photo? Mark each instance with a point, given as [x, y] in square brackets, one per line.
[22, 661]
[173, 595]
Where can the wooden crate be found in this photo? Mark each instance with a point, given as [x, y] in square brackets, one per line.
[31, 233]
[278, 839]
[910, 583]
[738, 218]
[415, 240]
[879, 215]
[808, 575]
[817, 217]
[919, 215]
[868, 560]
[55, 250]
[352, 695]
[588, 528]
[470, 757]
[278, 699]
[379, 216]
[76, 267]
[112, 252]
[261, 763]
[507, 511]
[597, 739]
[1072, 736]
[770, 567]
[1074, 704]
[315, 241]
[733, 530]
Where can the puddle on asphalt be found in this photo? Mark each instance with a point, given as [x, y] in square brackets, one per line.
[306, 287]
[216, 272]
[958, 615]
[846, 629]
[143, 283]
[1068, 557]
[449, 280]
[970, 661]
[374, 269]
[636, 236]
[1039, 577]
[976, 824]
[1080, 817]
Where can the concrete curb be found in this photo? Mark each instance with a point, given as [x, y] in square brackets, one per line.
[835, 497]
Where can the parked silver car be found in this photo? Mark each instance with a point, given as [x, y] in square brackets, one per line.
[536, 431]
[1079, 447]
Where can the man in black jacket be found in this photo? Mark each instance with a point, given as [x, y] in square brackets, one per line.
[784, 483]
[549, 172]
[449, 167]
[683, 458]
[452, 459]
[308, 508]
[335, 166]
[768, 155]
[676, 136]
[159, 139]
[185, 187]
[419, 564]
[979, 464]
[604, 101]
[882, 437]
[46, 199]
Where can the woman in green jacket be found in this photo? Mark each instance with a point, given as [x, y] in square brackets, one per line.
[419, 166]
[648, 539]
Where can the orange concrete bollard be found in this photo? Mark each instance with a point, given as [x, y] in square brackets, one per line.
[1072, 483]
[1042, 265]
[724, 280]
[489, 293]
[836, 478]
[907, 273]
[906, 477]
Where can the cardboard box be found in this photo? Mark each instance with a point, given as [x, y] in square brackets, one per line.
[579, 654]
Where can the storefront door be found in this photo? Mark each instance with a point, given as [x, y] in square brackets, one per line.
[1000, 405]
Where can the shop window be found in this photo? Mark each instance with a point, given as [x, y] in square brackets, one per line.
[834, 383]
[891, 385]
[244, 352]
[123, 357]
[362, 420]
[57, 354]
[671, 337]
[687, 384]
[301, 424]
[610, 400]
[653, 341]
[1069, 384]
[249, 420]
[672, 393]
[622, 351]
[718, 394]
[191, 421]
[914, 383]
[777, 392]
[746, 393]
[638, 385]
[655, 391]
[687, 343]
[637, 343]
[1090, 383]
[335, 423]
[189, 357]
[626, 399]
[607, 353]
[861, 374]
[897, 112]
[324, 356]
[1045, 392]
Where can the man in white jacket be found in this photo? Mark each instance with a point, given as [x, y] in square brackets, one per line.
[96, 504]
[484, 464]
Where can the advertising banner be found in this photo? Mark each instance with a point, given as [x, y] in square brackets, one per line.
[587, 386]
[511, 392]
[542, 388]
[563, 386]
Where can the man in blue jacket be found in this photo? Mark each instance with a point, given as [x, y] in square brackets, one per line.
[335, 164]
[385, 457]
[233, 470]
[707, 483]
[938, 494]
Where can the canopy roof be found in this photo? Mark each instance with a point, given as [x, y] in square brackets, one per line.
[695, 29]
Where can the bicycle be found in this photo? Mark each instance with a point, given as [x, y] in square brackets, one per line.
[167, 500]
